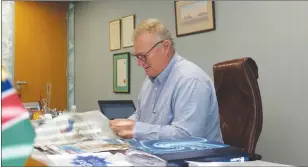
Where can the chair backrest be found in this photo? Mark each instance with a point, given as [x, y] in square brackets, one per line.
[240, 106]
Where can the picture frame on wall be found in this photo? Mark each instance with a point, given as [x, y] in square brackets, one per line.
[121, 72]
[115, 35]
[193, 17]
[127, 30]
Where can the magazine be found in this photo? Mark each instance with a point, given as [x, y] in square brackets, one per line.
[168, 146]
[175, 152]
[91, 146]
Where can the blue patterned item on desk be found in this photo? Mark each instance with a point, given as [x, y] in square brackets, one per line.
[89, 161]
[186, 144]
[177, 151]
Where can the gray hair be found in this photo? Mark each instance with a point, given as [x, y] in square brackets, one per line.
[154, 26]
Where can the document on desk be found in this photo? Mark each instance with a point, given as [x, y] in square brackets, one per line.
[73, 128]
[247, 163]
[92, 146]
[93, 159]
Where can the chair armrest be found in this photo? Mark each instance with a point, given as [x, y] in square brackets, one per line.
[254, 157]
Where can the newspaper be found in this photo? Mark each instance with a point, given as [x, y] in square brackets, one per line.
[80, 130]
[92, 146]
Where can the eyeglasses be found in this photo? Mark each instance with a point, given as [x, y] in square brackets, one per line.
[143, 57]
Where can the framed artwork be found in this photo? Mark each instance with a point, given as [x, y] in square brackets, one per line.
[192, 17]
[121, 72]
[128, 27]
[115, 35]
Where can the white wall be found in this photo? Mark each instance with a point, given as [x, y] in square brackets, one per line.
[7, 21]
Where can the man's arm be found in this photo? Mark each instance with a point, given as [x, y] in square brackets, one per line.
[133, 117]
[136, 113]
[191, 102]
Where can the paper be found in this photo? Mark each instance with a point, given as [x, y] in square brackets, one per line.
[141, 158]
[72, 128]
[121, 72]
[128, 30]
[94, 159]
[92, 146]
[114, 35]
[247, 163]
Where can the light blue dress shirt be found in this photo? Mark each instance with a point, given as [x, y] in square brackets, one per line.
[181, 101]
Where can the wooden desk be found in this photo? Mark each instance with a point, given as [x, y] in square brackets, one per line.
[32, 162]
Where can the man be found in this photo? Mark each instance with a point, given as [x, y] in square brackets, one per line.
[177, 98]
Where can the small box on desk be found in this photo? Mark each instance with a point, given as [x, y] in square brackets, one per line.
[175, 152]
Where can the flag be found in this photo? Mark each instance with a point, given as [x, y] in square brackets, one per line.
[17, 131]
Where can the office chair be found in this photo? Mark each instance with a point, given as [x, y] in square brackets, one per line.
[240, 106]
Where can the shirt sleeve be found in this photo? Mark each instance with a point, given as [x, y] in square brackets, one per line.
[136, 113]
[190, 103]
[133, 117]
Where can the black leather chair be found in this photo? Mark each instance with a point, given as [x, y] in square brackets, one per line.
[240, 106]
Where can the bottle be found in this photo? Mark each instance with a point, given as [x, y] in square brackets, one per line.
[73, 109]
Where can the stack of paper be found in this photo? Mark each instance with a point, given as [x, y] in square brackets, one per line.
[91, 146]
[73, 128]
[141, 158]
[79, 139]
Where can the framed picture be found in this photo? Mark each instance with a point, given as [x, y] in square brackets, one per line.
[121, 72]
[127, 27]
[115, 35]
[192, 17]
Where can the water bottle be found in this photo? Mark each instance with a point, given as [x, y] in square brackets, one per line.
[73, 109]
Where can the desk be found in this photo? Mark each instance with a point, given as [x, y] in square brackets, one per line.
[33, 162]
[39, 159]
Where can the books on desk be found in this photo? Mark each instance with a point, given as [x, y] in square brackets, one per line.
[174, 152]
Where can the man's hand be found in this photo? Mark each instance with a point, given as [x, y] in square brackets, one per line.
[123, 127]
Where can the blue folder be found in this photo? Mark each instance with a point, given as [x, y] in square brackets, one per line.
[176, 151]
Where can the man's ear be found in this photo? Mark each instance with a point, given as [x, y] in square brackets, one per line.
[167, 44]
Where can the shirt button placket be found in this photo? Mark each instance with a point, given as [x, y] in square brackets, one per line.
[155, 91]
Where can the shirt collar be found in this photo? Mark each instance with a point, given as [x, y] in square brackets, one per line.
[161, 78]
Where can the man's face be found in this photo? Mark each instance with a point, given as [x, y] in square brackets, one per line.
[151, 53]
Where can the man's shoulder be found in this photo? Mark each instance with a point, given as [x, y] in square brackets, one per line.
[186, 69]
